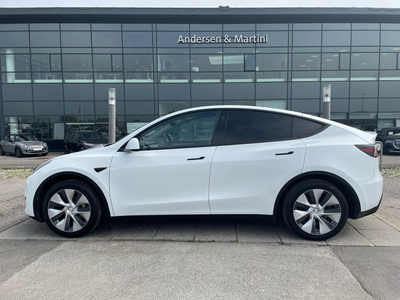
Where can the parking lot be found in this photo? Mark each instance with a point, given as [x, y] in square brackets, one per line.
[380, 229]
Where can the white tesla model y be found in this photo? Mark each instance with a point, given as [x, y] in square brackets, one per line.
[216, 160]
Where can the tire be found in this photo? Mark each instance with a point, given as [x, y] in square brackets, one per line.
[18, 153]
[71, 208]
[2, 151]
[66, 150]
[81, 148]
[315, 209]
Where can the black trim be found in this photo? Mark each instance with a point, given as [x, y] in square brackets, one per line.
[287, 153]
[98, 170]
[220, 129]
[370, 211]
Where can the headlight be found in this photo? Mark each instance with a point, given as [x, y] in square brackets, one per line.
[87, 144]
[45, 145]
[41, 166]
[24, 146]
[389, 141]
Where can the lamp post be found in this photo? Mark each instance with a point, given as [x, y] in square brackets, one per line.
[111, 115]
[326, 112]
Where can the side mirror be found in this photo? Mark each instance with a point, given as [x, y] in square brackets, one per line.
[133, 145]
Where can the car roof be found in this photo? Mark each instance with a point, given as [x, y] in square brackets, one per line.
[391, 128]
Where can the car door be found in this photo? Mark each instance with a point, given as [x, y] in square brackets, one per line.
[170, 173]
[256, 159]
[10, 145]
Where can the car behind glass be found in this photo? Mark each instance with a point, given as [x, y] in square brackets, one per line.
[23, 144]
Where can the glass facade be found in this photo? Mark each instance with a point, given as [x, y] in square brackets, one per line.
[55, 76]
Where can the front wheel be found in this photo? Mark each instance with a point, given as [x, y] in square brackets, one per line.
[71, 208]
[18, 153]
[315, 209]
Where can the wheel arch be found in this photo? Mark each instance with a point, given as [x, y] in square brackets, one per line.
[349, 193]
[56, 178]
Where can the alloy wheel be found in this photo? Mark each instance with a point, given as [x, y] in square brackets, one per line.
[69, 210]
[317, 212]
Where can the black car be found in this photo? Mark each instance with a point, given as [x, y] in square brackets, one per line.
[82, 140]
[390, 138]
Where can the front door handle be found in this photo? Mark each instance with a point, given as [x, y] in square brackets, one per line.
[197, 158]
[287, 153]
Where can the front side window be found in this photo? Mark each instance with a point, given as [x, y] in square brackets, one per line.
[256, 127]
[189, 130]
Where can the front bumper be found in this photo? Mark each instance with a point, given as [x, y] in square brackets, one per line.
[34, 150]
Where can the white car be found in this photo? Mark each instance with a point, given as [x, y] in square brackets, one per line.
[216, 160]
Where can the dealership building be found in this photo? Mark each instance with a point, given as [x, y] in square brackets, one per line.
[57, 64]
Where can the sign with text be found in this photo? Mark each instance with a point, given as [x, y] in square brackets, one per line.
[226, 39]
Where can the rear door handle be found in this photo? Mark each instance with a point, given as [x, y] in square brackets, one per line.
[197, 158]
[287, 153]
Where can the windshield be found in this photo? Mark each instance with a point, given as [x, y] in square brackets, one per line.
[91, 136]
[393, 132]
[22, 138]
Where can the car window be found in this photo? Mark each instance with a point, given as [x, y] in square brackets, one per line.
[189, 130]
[91, 136]
[393, 132]
[257, 126]
[303, 127]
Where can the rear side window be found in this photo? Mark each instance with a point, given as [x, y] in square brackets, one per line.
[256, 126]
[304, 127]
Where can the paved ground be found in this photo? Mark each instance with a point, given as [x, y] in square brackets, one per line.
[197, 258]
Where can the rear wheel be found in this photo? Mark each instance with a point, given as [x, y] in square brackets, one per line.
[18, 153]
[315, 209]
[71, 208]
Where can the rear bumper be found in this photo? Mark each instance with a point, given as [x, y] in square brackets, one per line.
[369, 211]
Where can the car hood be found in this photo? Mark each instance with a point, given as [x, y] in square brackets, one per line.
[31, 143]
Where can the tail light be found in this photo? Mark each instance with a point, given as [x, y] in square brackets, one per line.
[371, 150]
